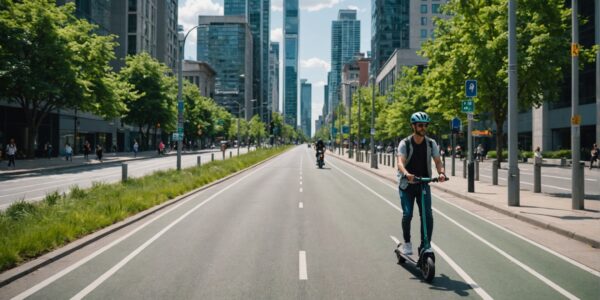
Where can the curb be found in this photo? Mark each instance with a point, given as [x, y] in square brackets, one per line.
[592, 242]
[18, 272]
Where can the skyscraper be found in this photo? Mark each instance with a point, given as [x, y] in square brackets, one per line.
[389, 29]
[225, 42]
[257, 14]
[274, 76]
[166, 41]
[305, 107]
[345, 45]
[291, 21]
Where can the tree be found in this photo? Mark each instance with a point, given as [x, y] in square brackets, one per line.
[49, 59]
[156, 107]
[256, 129]
[473, 43]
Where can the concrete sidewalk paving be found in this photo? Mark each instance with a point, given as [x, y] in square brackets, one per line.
[56, 163]
[542, 210]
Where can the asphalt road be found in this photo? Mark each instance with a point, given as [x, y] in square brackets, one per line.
[32, 187]
[287, 230]
[555, 180]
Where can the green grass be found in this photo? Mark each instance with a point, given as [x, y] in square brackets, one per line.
[28, 230]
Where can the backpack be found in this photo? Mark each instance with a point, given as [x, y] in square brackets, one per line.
[402, 181]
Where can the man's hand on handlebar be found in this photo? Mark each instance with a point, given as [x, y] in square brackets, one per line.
[410, 177]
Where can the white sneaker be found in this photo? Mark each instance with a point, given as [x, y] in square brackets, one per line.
[406, 249]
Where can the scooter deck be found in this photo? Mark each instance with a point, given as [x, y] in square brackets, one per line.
[410, 258]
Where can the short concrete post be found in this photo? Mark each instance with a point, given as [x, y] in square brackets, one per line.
[495, 172]
[465, 168]
[212, 157]
[393, 161]
[230, 154]
[476, 170]
[123, 172]
[537, 175]
[563, 162]
[577, 201]
[199, 160]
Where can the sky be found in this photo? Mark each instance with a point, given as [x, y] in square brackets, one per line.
[315, 36]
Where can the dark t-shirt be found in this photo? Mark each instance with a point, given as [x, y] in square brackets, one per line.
[418, 161]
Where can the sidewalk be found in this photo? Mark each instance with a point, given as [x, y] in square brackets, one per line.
[24, 166]
[542, 210]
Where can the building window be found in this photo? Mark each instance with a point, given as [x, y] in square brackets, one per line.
[131, 45]
[132, 23]
[424, 21]
[423, 33]
[435, 8]
[423, 8]
[132, 5]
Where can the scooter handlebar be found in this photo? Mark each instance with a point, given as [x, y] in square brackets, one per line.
[427, 179]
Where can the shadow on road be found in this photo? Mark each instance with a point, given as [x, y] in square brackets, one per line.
[441, 282]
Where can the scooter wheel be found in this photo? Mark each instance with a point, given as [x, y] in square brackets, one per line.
[429, 270]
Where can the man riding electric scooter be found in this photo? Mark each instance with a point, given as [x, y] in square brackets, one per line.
[320, 153]
[414, 161]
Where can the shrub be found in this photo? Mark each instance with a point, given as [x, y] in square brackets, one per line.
[20, 209]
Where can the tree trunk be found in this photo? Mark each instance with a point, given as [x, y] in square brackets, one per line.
[32, 136]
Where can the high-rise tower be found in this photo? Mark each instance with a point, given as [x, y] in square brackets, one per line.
[291, 21]
[345, 45]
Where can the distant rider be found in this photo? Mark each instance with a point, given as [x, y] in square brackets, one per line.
[320, 146]
[414, 159]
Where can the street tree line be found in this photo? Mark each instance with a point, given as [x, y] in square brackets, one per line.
[472, 43]
[50, 59]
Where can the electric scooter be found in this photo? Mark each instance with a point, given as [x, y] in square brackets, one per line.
[426, 259]
[321, 158]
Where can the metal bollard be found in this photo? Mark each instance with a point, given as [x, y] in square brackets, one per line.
[124, 172]
[471, 177]
[380, 157]
[444, 161]
[199, 160]
[230, 154]
[212, 157]
[577, 201]
[563, 162]
[537, 175]
[393, 161]
[476, 170]
[495, 172]
[465, 168]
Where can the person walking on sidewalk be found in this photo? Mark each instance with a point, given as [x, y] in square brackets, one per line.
[594, 153]
[11, 151]
[99, 152]
[48, 148]
[87, 148]
[68, 152]
[136, 148]
[414, 159]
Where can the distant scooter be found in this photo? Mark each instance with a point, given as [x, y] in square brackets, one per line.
[320, 158]
[426, 260]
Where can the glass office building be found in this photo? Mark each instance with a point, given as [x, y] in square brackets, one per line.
[291, 20]
[274, 77]
[345, 45]
[305, 107]
[225, 42]
[389, 29]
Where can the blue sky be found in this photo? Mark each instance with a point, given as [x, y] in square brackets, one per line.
[315, 35]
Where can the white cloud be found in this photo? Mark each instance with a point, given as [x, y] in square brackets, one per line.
[308, 5]
[277, 35]
[320, 83]
[188, 17]
[315, 62]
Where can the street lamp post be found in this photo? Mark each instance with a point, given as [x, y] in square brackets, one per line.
[358, 124]
[373, 154]
[182, 37]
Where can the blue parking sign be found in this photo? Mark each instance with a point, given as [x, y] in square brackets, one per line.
[471, 88]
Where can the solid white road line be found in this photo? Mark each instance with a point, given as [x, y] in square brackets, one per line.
[501, 252]
[76, 265]
[302, 273]
[468, 280]
[457, 268]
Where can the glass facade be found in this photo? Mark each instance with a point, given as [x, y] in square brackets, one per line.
[235, 7]
[290, 69]
[273, 95]
[223, 46]
[345, 45]
[389, 29]
[305, 107]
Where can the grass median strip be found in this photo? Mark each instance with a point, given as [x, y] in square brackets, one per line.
[28, 230]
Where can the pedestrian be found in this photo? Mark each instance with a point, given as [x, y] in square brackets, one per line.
[136, 148]
[11, 151]
[458, 151]
[480, 151]
[87, 148]
[99, 152]
[114, 149]
[68, 152]
[594, 156]
[48, 149]
[161, 148]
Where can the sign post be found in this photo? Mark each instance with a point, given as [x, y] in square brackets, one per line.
[468, 106]
[455, 130]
